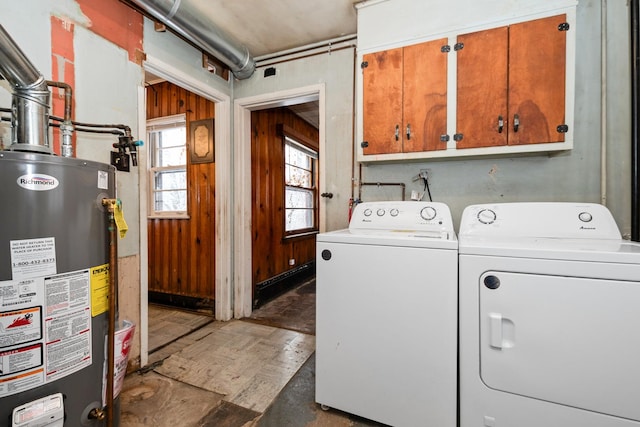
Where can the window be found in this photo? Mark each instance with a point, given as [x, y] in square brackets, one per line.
[167, 138]
[300, 171]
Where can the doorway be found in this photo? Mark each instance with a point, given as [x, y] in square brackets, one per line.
[222, 208]
[243, 201]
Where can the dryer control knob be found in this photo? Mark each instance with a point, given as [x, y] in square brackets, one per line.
[326, 254]
[367, 212]
[394, 212]
[380, 212]
[585, 216]
[487, 216]
[428, 213]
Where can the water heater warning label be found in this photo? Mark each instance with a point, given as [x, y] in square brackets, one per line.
[45, 325]
[33, 257]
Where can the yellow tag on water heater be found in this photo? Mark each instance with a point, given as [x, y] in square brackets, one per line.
[121, 224]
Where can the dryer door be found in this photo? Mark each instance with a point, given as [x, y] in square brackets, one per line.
[571, 341]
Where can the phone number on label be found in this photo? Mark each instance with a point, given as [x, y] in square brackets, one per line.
[33, 262]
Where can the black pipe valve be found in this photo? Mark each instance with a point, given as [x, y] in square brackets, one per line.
[120, 158]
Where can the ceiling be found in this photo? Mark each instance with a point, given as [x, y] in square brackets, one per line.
[270, 27]
[267, 27]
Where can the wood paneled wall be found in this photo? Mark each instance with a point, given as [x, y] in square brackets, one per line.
[182, 251]
[271, 253]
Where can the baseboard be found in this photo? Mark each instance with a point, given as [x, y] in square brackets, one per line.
[203, 305]
[277, 285]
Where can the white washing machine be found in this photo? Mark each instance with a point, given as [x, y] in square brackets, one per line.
[386, 330]
[549, 317]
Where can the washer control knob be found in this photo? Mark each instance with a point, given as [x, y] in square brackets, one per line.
[326, 254]
[428, 213]
[380, 212]
[585, 216]
[487, 216]
[394, 212]
[367, 212]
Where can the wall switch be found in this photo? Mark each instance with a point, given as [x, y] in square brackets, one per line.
[292, 261]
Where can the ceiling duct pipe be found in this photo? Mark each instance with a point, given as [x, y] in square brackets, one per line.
[30, 100]
[189, 20]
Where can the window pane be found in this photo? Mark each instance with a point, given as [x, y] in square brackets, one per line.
[171, 201]
[169, 147]
[297, 219]
[296, 157]
[170, 180]
[298, 177]
[298, 198]
[174, 156]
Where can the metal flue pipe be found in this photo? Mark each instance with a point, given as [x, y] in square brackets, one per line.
[188, 20]
[30, 101]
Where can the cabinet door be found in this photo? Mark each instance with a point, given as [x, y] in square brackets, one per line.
[482, 88]
[382, 102]
[537, 63]
[425, 96]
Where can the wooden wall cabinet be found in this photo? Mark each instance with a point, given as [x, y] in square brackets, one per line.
[405, 99]
[511, 84]
[505, 89]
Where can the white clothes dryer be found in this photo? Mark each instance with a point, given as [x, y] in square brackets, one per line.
[549, 317]
[386, 329]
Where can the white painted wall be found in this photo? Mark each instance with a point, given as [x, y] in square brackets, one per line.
[335, 71]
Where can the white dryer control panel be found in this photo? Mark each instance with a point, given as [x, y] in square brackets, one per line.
[403, 216]
[551, 220]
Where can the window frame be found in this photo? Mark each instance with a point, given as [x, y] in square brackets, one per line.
[305, 144]
[158, 124]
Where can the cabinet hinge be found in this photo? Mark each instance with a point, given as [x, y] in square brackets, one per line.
[444, 138]
[562, 128]
[364, 144]
[458, 46]
[445, 49]
[563, 27]
[364, 64]
[458, 137]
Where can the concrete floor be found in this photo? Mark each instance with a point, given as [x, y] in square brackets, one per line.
[243, 373]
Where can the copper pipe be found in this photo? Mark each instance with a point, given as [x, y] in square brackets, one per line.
[68, 97]
[380, 184]
[113, 289]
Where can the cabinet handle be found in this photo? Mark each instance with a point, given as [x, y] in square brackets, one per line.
[516, 122]
[408, 131]
[397, 132]
[500, 124]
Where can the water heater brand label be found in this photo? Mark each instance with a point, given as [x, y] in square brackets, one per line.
[37, 182]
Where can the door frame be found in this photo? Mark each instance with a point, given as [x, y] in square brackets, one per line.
[242, 202]
[223, 176]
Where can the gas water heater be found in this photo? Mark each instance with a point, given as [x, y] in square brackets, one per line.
[53, 263]
[57, 262]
